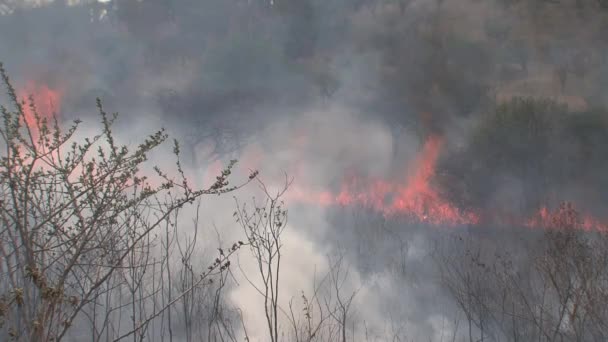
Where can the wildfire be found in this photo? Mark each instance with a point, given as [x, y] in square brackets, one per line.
[47, 103]
[565, 216]
[415, 198]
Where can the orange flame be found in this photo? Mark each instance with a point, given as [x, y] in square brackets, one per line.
[565, 217]
[419, 199]
[47, 102]
[416, 199]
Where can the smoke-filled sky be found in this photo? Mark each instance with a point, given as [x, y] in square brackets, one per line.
[381, 111]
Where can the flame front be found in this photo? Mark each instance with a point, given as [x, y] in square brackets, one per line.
[565, 216]
[415, 198]
[47, 102]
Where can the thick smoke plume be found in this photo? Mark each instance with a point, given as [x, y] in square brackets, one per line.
[424, 139]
